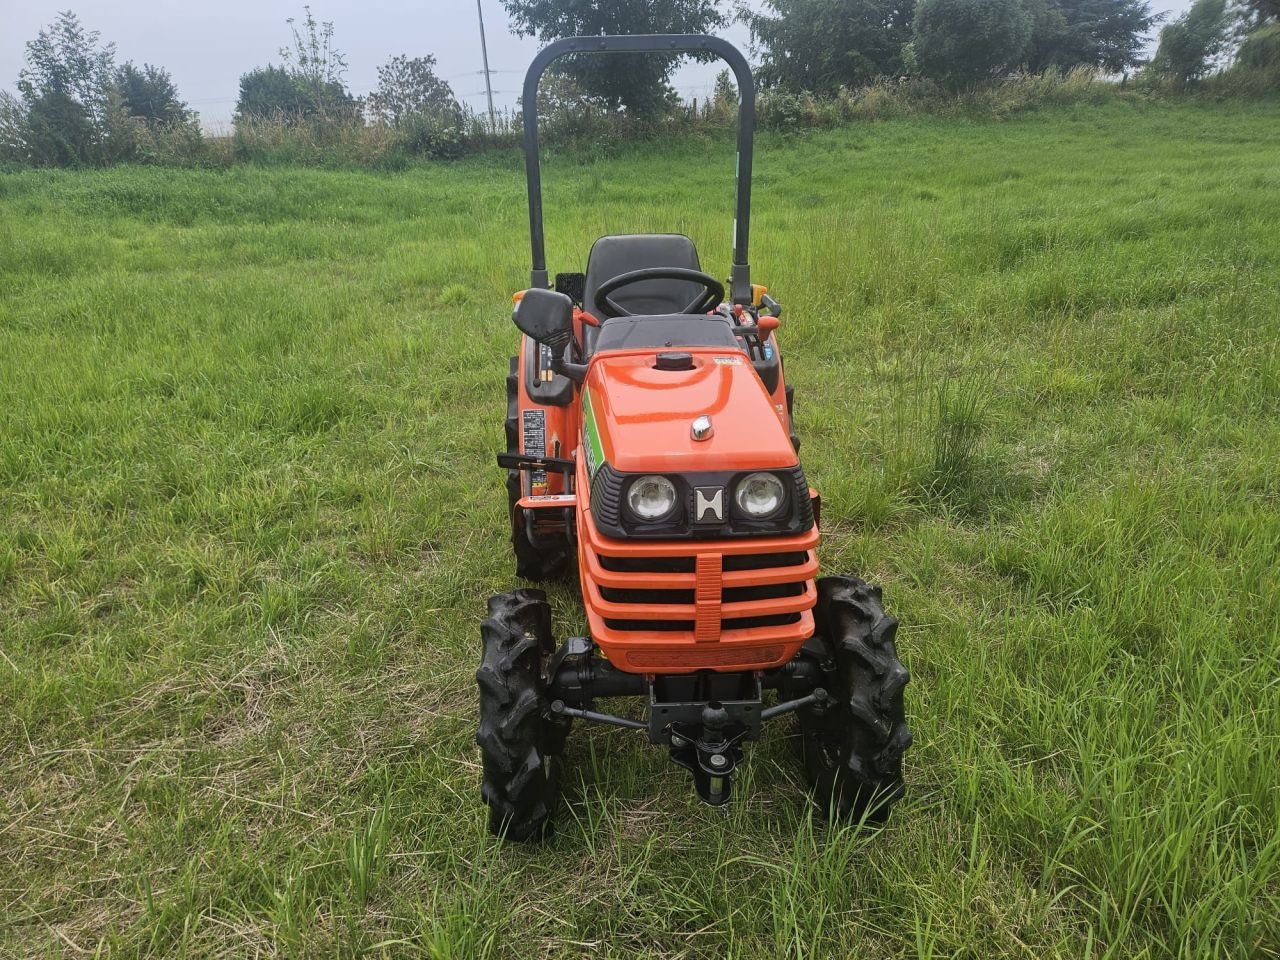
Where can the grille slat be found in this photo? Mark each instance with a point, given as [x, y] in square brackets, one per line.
[764, 561]
[648, 564]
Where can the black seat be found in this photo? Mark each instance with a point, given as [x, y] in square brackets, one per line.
[613, 256]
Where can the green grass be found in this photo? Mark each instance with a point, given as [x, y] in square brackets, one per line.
[249, 517]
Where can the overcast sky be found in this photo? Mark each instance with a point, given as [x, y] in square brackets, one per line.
[207, 46]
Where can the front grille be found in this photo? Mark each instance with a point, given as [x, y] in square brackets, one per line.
[674, 595]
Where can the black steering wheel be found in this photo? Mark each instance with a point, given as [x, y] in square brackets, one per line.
[712, 293]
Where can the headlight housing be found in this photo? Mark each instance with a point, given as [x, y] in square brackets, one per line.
[760, 496]
[627, 505]
[651, 498]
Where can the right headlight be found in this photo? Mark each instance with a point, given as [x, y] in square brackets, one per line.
[651, 497]
[760, 495]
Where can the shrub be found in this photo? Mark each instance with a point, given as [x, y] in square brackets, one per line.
[61, 132]
[430, 135]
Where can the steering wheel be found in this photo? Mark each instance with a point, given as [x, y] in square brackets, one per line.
[711, 295]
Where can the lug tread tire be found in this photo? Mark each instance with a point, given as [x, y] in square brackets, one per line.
[513, 731]
[853, 751]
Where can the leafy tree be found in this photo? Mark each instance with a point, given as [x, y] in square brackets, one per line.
[638, 82]
[560, 94]
[963, 41]
[13, 128]
[272, 91]
[409, 88]
[65, 89]
[1110, 34]
[1256, 13]
[821, 45]
[308, 87]
[1257, 66]
[1247, 18]
[317, 67]
[1190, 45]
[1261, 50]
[726, 91]
[150, 94]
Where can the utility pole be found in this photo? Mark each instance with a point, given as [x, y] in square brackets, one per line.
[484, 53]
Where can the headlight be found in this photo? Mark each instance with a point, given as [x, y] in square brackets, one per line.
[651, 498]
[759, 495]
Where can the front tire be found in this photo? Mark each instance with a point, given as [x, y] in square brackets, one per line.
[514, 734]
[853, 749]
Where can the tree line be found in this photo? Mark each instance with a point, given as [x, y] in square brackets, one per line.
[76, 106]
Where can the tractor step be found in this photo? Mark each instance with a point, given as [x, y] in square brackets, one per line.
[549, 501]
[520, 461]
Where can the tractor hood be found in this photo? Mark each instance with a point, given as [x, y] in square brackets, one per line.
[639, 418]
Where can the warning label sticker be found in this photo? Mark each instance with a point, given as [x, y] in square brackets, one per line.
[728, 361]
[534, 433]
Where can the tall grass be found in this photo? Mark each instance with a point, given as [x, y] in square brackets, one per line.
[249, 517]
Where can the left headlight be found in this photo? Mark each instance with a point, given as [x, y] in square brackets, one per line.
[760, 495]
[651, 498]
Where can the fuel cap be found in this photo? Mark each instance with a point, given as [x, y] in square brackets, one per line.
[674, 361]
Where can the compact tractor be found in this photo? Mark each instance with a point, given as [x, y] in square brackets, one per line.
[651, 447]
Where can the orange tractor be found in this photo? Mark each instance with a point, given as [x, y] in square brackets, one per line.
[651, 446]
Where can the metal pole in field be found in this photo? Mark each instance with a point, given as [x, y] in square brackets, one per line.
[484, 53]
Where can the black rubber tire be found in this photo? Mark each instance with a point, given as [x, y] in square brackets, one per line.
[513, 736]
[853, 750]
[532, 563]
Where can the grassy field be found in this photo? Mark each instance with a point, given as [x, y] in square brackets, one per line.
[249, 517]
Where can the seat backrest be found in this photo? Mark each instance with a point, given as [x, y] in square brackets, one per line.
[613, 256]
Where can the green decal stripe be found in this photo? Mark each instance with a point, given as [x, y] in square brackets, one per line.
[595, 455]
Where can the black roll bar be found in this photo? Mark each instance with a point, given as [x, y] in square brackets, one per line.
[740, 275]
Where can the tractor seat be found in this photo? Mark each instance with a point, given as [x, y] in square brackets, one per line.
[613, 256]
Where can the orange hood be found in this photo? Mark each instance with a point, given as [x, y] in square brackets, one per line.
[638, 418]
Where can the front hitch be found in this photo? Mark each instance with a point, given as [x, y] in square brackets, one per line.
[704, 719]
[710, 754]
